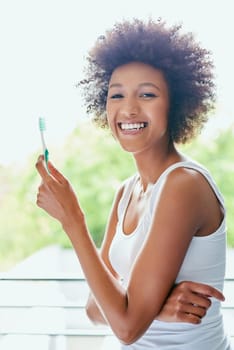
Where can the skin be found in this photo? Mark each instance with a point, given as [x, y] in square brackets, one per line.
[138, 93]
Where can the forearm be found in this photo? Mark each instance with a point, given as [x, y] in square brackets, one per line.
[106, 289]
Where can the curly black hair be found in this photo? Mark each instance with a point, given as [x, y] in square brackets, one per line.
[187, 68]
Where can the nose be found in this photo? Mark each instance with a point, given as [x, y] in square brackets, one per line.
[129, 107]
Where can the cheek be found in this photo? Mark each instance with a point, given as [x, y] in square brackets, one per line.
[110, 114]
[163, 110]
[111, 125]
[108, 117]
[110, 122]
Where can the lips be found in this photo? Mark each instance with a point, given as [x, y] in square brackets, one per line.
[132, 126]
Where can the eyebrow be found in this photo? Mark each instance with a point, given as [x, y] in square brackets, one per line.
[118, 85]
[149, 84]
[115, 85]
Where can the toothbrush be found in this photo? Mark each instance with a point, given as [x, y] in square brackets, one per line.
[42, 128]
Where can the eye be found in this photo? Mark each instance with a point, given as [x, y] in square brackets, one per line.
[116, 96]
[148, 95]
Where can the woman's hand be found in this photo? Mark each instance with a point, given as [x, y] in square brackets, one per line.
[188, 302]
[56, 196]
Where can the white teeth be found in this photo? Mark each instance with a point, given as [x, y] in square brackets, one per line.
[131, 126]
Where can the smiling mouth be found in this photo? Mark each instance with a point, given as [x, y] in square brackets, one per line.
[132, 126]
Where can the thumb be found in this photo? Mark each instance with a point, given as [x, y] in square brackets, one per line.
[56, 173]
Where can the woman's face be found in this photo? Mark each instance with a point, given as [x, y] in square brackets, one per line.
[137, 107]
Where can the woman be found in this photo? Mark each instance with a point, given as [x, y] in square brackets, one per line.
[153, 86]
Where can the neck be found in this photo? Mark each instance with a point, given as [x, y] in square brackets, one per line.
[151, 164]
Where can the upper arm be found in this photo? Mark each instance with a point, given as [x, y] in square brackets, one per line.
[177, 217]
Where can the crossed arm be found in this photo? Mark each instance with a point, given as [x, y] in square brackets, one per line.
[129, 312]
[187, 302]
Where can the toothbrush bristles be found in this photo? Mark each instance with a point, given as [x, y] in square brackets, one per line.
[42, 127]
[42, 124]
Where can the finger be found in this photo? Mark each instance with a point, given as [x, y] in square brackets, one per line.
[206, 290]
[188, 318]
[198, 311]
[200, 300]
[56, 173]
[40, 165]
[194, 310]
[191, 318]
[213, 293]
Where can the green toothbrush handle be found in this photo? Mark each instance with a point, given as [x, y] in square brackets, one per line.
[46, 155]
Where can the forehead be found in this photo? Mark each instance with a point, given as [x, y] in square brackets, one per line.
[137, 72]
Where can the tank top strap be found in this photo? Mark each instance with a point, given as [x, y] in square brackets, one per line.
[127, 192]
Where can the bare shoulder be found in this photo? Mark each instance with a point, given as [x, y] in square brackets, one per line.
[192, 193]
[181, 192]
[185, 179]
[190, 187]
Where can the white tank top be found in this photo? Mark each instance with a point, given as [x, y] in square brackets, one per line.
[204, 262]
